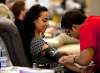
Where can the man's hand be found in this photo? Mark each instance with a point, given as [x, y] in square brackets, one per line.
[66, 59]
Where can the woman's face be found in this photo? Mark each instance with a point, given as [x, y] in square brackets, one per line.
[42, 22]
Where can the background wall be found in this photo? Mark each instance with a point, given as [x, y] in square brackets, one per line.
[93, 7]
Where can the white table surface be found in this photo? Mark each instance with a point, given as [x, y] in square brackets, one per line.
[24, 70]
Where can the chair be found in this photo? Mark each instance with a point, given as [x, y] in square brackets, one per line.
[11, 38]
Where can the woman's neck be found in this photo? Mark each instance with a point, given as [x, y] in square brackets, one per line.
[38, 34]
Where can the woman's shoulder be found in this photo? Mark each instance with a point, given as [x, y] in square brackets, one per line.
[37, 43]
[37, 40]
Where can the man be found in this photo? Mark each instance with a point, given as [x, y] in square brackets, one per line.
[87, 30]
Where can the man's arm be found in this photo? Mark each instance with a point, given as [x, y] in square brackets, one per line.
[85, 57]
[74, 68]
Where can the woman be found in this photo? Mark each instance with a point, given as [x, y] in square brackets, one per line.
[35, 23]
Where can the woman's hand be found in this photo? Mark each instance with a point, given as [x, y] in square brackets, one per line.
[45, 46]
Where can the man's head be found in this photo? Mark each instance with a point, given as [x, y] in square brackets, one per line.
[71, 22]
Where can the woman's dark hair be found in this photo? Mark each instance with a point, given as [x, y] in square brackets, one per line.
[17, 7]
[72, 17]
[28, 25]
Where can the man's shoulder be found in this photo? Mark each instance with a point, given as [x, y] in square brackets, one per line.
[93, 18]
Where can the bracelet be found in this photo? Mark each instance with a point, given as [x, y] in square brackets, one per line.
[74, 59]
[78, 65]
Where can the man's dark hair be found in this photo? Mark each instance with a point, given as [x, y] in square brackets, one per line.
[2, 1]
[72, 17]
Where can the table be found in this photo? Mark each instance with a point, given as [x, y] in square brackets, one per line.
[24, 70]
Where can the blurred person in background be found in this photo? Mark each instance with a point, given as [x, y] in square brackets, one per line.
[6, 4]
[19, 11]
[87, 30]
[9, 3]
[5, 16]
[4, 10]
